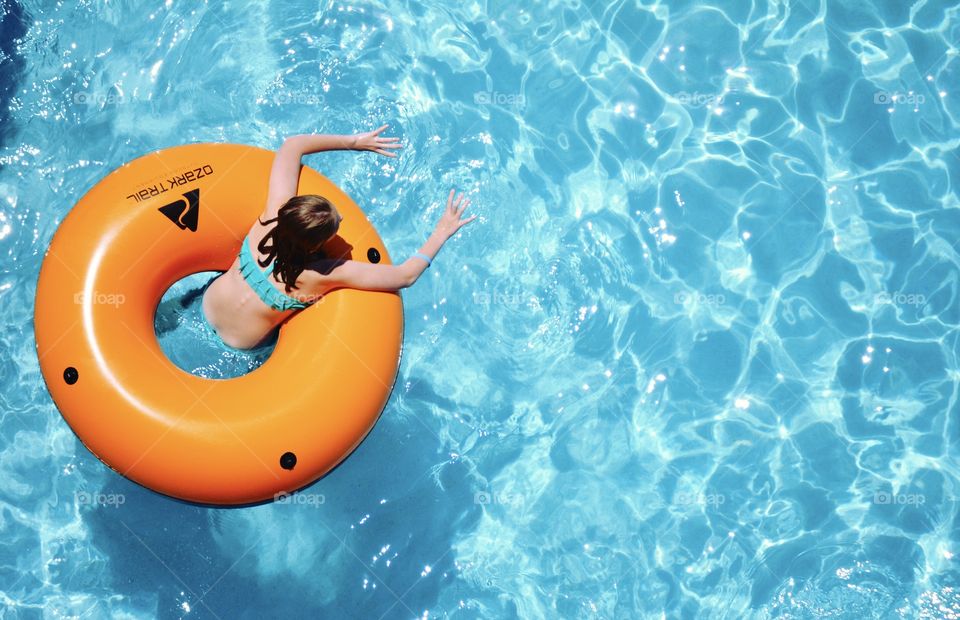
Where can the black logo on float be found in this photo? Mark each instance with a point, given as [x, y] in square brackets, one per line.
[184, 213]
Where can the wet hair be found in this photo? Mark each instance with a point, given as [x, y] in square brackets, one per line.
[303, 225]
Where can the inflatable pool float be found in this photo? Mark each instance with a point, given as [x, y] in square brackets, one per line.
[244, 440]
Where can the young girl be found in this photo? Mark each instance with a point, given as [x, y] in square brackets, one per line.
[281, 269]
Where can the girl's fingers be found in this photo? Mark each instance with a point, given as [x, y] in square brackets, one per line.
[382, 127]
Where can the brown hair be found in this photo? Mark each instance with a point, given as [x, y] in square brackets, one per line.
[303, 225]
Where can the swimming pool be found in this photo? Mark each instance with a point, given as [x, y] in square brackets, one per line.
[697, 357]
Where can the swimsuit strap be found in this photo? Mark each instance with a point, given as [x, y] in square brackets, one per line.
[259, 281]
[257, 263]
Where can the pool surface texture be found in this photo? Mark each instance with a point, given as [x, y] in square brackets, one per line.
[695, 358]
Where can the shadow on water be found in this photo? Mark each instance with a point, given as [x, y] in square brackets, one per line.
[13, 26]
[300, 559]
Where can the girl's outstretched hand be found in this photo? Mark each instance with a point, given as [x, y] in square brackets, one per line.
[371, 141]
[450, 221]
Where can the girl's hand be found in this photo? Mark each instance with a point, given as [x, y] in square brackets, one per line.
[450, 223]
[371, 141]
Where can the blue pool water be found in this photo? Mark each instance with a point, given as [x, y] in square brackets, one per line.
[191, 343]
[696, 358]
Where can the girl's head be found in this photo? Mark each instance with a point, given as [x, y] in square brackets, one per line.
[303, 225]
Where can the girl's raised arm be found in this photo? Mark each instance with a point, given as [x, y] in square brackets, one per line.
[285, 173]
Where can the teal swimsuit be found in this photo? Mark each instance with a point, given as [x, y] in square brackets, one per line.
[259, 281]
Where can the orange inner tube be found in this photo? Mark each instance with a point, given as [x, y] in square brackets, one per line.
[146, 225]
